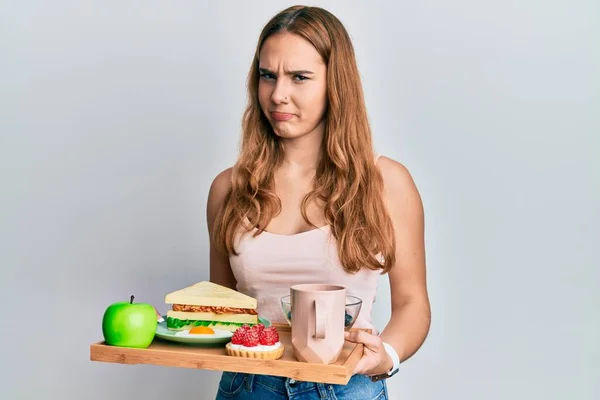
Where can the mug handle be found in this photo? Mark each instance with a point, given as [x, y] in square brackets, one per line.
[320, 319]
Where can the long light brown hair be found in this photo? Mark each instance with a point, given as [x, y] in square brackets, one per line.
[347, 183]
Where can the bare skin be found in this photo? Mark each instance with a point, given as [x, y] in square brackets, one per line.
[303, 96]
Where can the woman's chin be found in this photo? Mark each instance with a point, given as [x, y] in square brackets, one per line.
[286, 133]
[290, 134]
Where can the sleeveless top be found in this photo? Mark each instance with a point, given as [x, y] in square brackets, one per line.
[268, 264]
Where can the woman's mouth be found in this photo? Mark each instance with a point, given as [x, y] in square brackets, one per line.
[277, 116]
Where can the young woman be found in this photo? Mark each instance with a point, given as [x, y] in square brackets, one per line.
[308, 201]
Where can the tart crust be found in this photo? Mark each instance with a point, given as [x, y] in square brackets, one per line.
[264, 355]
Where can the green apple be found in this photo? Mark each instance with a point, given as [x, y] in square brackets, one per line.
[129, 324]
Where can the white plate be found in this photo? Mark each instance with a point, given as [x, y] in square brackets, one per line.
[220, 336]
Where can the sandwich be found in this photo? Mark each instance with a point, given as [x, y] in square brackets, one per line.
[211, 305]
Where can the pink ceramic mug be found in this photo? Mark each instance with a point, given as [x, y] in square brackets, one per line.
[318, 322]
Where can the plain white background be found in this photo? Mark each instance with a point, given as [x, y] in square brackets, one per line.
[116, 115]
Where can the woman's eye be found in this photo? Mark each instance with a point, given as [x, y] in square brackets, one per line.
[267, 76]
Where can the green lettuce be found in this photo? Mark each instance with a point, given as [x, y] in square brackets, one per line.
[176, 323]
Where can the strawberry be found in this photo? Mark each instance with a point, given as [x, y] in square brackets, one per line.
[269, 336]
[250, 339]
[238, 336]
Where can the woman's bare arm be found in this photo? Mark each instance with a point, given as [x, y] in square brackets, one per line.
[220, 269]
[410, 320]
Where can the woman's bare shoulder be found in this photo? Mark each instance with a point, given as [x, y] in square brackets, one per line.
[400, 189]
[219, 188]
[222, 182]
[396, 175]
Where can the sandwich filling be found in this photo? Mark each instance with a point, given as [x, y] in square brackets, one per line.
[213, 309]
[216, 317]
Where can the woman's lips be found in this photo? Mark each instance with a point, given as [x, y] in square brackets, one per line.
[277, 116]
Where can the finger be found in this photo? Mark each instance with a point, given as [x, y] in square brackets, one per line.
[360, 366]
[371, 341]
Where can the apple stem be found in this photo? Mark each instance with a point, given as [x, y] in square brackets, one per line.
[131, 301]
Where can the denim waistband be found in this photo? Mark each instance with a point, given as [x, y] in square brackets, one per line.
[250, 386]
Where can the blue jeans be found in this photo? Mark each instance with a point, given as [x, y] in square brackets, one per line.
[240, 386]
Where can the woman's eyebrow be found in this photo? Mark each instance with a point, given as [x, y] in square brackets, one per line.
[298, 72]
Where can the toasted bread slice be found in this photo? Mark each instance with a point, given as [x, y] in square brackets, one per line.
[207, 293]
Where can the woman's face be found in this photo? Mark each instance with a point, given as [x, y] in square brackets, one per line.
[292, 88]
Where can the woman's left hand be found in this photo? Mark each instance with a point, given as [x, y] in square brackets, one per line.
[375, 359]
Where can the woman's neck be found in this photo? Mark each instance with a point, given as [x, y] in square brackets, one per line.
[303, 153]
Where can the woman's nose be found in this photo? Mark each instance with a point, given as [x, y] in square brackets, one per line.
[280, 93]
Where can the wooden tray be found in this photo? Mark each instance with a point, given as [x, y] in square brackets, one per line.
[171, 354]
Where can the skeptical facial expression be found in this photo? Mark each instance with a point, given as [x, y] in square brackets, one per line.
[292, 88]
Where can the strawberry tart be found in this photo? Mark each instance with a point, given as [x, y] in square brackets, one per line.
[255, 342]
